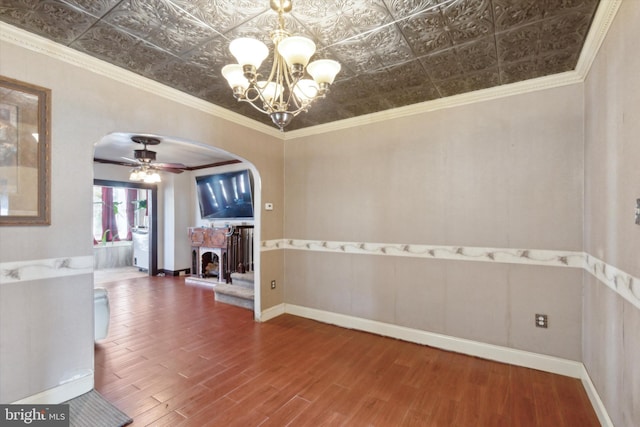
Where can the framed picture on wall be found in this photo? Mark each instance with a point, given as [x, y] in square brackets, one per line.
[25, 151]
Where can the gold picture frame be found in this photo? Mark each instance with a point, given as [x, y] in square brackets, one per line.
[25, 153]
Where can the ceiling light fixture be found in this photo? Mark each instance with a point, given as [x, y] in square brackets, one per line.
[287, 91]
[144, 174]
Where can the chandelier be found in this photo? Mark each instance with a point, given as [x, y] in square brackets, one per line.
[144, 173]
[287, 91]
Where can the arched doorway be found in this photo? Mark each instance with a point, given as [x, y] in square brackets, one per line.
[114, 157]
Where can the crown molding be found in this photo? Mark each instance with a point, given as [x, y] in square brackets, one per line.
[602, 21]
[38, 44]
[532, 85]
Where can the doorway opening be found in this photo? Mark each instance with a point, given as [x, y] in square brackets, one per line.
[175, 209]
[125, 226]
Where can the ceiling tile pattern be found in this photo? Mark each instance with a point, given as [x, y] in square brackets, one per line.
[393, 52]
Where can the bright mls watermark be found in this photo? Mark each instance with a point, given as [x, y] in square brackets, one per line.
[34, 415]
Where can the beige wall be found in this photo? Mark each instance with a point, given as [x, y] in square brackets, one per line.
[611, 346]
[505, 173]
[85, 107]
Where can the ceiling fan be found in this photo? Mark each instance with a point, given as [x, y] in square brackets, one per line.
[144, 158]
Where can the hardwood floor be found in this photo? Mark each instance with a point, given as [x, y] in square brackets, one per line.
[176, 357]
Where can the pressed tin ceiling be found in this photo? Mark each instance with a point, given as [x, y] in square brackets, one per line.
[393, 53]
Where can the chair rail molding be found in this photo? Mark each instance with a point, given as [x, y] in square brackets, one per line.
[24, 271]
[624, 284]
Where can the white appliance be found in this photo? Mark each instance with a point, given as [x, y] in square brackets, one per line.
[141, 248]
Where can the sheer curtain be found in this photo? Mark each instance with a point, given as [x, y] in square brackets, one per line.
[132, 194]
[109, 225]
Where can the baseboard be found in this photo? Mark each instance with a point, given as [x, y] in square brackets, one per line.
[511, 356]
[272, 312]
[497, 353]
[594, 398]
[61, 393]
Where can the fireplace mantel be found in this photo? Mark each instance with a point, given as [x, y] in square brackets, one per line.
[209, 237]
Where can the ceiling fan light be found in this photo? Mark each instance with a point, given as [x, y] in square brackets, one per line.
[152, 178]
[324, 70]
[235, 77]
[248, 51]
[296, 50]
[135, 176]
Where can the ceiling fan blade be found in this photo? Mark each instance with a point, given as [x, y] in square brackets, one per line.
[135, 161]
[166, 169]
[169, 165]
[116, 162]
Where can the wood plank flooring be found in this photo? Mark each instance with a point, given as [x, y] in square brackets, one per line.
[176, 357]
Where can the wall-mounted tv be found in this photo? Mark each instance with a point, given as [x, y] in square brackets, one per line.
[225, 195]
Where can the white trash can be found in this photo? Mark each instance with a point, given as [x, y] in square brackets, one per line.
[101, 313]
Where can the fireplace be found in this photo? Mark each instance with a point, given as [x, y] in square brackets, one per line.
[218, 252]
[206, 262]
[209, 252]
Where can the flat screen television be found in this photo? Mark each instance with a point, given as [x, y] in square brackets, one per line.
[225, 195]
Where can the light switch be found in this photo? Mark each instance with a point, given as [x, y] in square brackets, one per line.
[268, 206]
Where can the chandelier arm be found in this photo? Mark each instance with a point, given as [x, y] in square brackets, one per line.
[259, 92]
[284, 80]
[262, 110]
[274, 66]
[248, 98]
[292, 81]
[260, 96]
[279, 80]
[267, 107]
[295, 112]
[294, 99]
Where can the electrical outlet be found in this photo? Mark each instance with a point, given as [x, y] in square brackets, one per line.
[542, 321]
[273, 284]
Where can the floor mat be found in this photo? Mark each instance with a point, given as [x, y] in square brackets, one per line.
[91, 409]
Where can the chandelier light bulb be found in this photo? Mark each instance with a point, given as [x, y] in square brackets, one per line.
[324, 70]
[235, 77]
[270, 91]
[296, 50]
[249, 52]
